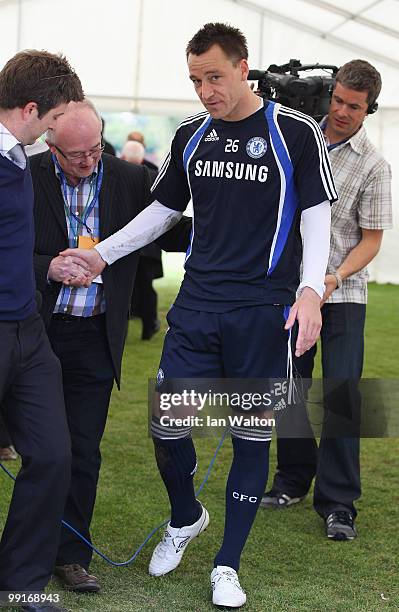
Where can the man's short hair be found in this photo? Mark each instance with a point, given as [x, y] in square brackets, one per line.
[231, 40]
[360, 76]
[136, 137]
[41, 77]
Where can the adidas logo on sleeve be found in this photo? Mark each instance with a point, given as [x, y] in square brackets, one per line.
[212, 136]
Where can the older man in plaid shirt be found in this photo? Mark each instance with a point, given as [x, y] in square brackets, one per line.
[81, 197]
[362, 212]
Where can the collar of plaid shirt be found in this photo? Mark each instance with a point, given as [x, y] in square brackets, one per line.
[358, 141]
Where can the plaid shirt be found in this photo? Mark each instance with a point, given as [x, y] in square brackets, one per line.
[80, 301]
[363, 181]
[7, 143]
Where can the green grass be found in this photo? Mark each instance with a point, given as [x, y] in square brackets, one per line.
[288, 565]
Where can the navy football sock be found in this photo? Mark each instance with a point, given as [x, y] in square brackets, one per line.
[245, 487]
[176, 460]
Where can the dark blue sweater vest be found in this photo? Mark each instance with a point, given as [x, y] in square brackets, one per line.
[17, 282]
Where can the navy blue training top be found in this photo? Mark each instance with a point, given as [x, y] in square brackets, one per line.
[17, 283]
[249, 181]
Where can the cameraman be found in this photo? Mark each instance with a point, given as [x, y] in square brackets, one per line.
[360, 215]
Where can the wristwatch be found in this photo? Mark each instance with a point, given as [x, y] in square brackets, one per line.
[338, 278]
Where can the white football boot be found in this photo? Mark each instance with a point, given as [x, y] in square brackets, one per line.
[169, 552]
[226, 587]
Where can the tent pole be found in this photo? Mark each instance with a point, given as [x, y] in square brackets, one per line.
[19, 25]
[261, 34]
[138, 55]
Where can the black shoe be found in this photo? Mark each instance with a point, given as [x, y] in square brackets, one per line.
[8, 453]
[74, 577]
[340, 526]
[275, 499]
[148, 332]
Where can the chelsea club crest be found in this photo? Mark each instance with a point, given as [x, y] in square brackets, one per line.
[256, 147]
[160, 377]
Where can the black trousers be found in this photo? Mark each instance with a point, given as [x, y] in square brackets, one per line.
[82, 348]
[336, 463]
[33, 410]
[144, 302]
[5, 439]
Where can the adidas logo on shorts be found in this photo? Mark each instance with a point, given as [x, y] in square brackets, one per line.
[212, 136]
[280, 405]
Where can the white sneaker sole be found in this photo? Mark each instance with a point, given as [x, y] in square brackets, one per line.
[228, 603]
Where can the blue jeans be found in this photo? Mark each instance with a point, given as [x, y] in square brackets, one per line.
[336, 462]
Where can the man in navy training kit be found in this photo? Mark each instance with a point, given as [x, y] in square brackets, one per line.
[363, 211]
[252, 170]
[35, 88]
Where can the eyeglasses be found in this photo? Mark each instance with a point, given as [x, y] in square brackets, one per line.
[77, 157]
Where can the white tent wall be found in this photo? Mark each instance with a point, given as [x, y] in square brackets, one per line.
[99, 39]
[9, 18]
[383, 129]
[130, 55]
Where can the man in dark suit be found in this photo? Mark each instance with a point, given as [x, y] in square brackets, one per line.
[81, 197]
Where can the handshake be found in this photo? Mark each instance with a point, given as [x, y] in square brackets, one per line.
[76, 267]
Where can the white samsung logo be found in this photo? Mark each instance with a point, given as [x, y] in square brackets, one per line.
[212, 136]
[219, 169]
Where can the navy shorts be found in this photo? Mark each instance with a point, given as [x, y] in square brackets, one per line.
[248, 342]
[245, 343]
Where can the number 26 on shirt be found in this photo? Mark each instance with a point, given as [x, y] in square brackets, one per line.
[231, 146]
